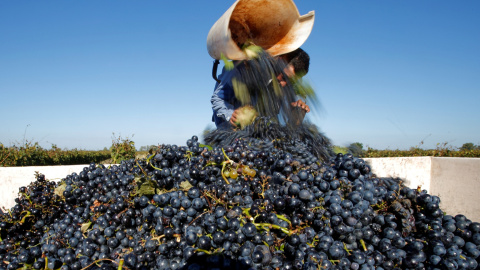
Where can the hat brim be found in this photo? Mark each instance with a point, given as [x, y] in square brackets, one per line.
[274, 25]
[296, 37]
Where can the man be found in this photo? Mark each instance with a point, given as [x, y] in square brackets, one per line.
[226, 106]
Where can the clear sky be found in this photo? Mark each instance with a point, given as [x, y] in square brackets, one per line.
[389, 74]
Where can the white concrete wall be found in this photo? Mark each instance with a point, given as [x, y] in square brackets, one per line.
[12, 178]
[415, 171]
[455, 180]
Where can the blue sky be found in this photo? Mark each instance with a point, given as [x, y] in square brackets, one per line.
[389, 74]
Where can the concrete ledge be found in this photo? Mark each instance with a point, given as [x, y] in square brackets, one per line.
[12, 178]
[455, 180]
[415, 171]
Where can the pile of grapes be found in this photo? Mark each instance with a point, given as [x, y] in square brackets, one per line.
[235, 207]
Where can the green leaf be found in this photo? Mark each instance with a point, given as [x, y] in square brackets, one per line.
[185, 185]
[207, 146]
[146, 190]
[303, 88]
[146, 187]
[253, 51]
[85, 226]
[26, 266]
[60, 189]
[228, 64]
[160, 191]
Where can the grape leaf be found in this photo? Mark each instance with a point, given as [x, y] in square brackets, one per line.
[207, 146]
[146, 187]
[185, 185]
[60, 189]
[85, 226]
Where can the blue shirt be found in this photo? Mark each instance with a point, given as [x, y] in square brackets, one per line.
[223, 99]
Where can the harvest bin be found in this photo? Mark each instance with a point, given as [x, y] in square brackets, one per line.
[455, 180]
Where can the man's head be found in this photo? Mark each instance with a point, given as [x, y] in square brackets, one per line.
[298, 63]
[299, 60]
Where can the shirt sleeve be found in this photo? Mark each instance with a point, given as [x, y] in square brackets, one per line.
[223, 98]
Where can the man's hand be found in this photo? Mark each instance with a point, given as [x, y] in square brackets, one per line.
[300, 104]
[243, 116]
[233, 118]
[299, 111]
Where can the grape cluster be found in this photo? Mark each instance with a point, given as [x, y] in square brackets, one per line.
[239, 206]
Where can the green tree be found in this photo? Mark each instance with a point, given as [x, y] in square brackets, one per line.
[356, 149]
[468, 146]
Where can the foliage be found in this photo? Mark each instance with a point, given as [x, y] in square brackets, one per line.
[356, 149]
[442, 150]
[302, 87]
[469, 146]
[339, 149]
[122, 149]
[32, 154]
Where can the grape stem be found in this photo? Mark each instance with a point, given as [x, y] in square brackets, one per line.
[28, 214]
[363, 245]
[224, 164]
[150, 163]
[141, 169]
[188, 155]
[346, 249]
[220, 250]
[215, 199]
[284, 219]
[198, 217]
[263, 184]
[120, 265]
[268, 226]
[26, 196]
[208, 201]
[158, 237]
[314, 241]
[223, 174]
[46, 239]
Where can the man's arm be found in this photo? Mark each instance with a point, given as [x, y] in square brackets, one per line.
[221, 99]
